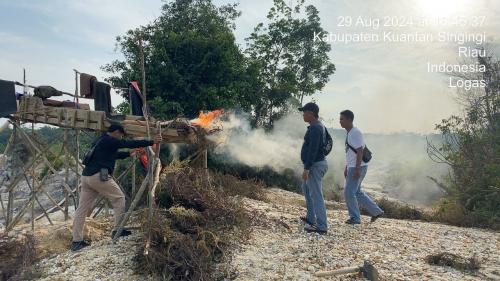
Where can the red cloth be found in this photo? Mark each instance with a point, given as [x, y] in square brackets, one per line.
[143, 156]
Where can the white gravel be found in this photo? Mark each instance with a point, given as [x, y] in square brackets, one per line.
[280, 250]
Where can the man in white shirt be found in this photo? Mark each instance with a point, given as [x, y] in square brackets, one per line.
[355, 171]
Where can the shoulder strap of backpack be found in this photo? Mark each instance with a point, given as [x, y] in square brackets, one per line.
[91, 152]
[350, 146]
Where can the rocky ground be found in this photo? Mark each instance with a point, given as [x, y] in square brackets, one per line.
[280, 250]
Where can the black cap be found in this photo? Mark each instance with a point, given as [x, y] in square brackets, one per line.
[310, 106]
[116, 127]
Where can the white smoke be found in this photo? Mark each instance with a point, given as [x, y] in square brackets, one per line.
[279, 148]
[400, 167]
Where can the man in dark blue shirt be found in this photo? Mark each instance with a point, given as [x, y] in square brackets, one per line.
[315, 167]
[96, 182]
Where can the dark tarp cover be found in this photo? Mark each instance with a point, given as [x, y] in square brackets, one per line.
[102, 98]
[47, 92]
[87, 85]
[8, 98]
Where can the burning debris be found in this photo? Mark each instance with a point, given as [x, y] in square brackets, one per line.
[205, 119]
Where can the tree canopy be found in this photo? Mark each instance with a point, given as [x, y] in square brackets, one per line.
[192, 61]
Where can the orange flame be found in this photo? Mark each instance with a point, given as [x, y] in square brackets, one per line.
[205, 119]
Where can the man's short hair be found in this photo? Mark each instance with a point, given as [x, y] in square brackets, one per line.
[347, 113]
[116, 127]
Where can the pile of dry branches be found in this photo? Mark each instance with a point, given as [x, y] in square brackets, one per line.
[196, 223]
[16, 253]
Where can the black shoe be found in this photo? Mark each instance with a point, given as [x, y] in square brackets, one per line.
[350, 221]
[304, 219]
[76, 246]
[374, 218]
[125, 232]
[315, 229]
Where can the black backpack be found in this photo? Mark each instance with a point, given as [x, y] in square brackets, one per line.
[328, 145]
[88, 156]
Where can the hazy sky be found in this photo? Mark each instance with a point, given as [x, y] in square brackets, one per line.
[386, 84]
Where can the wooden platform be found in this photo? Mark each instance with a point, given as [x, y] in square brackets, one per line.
[32, 109]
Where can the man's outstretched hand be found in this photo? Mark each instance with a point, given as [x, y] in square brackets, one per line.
[158, 138]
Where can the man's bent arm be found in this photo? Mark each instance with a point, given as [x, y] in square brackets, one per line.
[130, 143]
[122, 155]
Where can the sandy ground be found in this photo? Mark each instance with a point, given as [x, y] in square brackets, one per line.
[279, 249]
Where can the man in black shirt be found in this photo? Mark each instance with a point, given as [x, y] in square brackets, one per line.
[96, 182]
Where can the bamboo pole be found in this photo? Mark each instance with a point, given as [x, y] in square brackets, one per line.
[10, 198]
[77, 146]
[152, 190]
[40, 186]
[134, 158]
[66, 174]
[33, 180]
[3, 207]
[134, 203]
[42, 154]
[32, 189]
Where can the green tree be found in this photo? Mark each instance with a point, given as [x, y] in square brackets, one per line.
[471, 147]
[192, 62]
[291, 63]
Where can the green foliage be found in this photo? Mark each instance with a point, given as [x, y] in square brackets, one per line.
[191, 59]
[291, 63]
[192, 62]
[471, 147]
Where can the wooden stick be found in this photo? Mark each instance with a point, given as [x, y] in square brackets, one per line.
[32, 188]
[19, 215]
[3, 207]
[40, 186]
[66, 174]
[125, 218]
[338, 271]
[156, 180]
[47, 162]
[77, 140]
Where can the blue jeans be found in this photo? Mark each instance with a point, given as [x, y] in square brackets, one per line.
[313, 192]
[353, 195]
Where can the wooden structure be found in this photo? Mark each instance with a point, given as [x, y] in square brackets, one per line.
[32, 110]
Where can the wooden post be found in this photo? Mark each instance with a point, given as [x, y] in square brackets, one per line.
[156, 167]
[34, 148]
[132, 193]
[33, 193]
[10, 198]
[66, 174]
[3, 207]
[143, 71]
[134, 203]
[77, 145]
